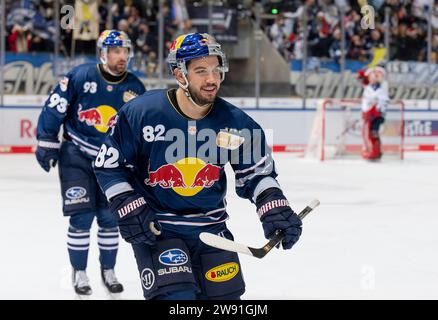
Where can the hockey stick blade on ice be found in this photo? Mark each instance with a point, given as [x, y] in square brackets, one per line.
[229, 245]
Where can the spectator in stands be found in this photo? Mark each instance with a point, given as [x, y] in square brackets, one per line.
[103, 15]
[66, 41]
[330, 12]
[123, 25]
[38, 44]
[278, 33]
[321, 42]
[408, 43]
[151, 69]
[371, 41]
[375, 40]
[169, 27]
[298, 47]
[295, 43]
[335, 48]
[115, 13]
[181, 19]
[20, 39]
[400, 41]
[134, 19]
[145, 46]
[145, 41]
[352, 23]
[420, 7]
[357, 50]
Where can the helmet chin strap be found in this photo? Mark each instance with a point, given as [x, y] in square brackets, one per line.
[186, 90]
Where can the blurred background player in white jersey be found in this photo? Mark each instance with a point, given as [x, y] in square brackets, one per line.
[374, 103]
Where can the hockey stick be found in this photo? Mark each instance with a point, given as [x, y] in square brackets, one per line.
[229, 245]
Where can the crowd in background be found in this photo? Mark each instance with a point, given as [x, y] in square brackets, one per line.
[407, 29]
[33, 31]
[138, 18]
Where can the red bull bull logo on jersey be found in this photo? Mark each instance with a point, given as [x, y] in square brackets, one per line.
[207, 176]
[101, 118]
[186, 177]
[167, 176]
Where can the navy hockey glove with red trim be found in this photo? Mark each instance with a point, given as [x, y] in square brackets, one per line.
[276, 214]
[47, 154]
[137, 222]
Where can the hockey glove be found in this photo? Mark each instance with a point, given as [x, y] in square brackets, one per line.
[47, 154]
[137, 222]
[276, 214]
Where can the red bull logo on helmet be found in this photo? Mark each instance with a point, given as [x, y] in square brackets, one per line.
[101, 118]
[186, 177]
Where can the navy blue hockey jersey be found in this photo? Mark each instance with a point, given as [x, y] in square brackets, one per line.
[86, 104]
[177, 163]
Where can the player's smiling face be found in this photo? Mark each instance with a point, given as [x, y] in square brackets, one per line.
[204, 76]
[117, 59]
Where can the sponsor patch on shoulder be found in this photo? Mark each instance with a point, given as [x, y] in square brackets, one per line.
[128, 95]
[228, 140]
[63, 84]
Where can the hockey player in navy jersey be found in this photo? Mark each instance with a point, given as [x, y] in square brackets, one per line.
[162, 169]
[85, 104]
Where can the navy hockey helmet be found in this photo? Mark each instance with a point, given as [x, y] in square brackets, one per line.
[111, 39]
[193, 46]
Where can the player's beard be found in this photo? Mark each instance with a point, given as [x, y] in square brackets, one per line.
[118, 68]
[200, 100]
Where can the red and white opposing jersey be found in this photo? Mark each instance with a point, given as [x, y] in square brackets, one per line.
[375, 95]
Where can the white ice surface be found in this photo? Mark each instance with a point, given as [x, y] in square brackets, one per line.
[374, 236]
